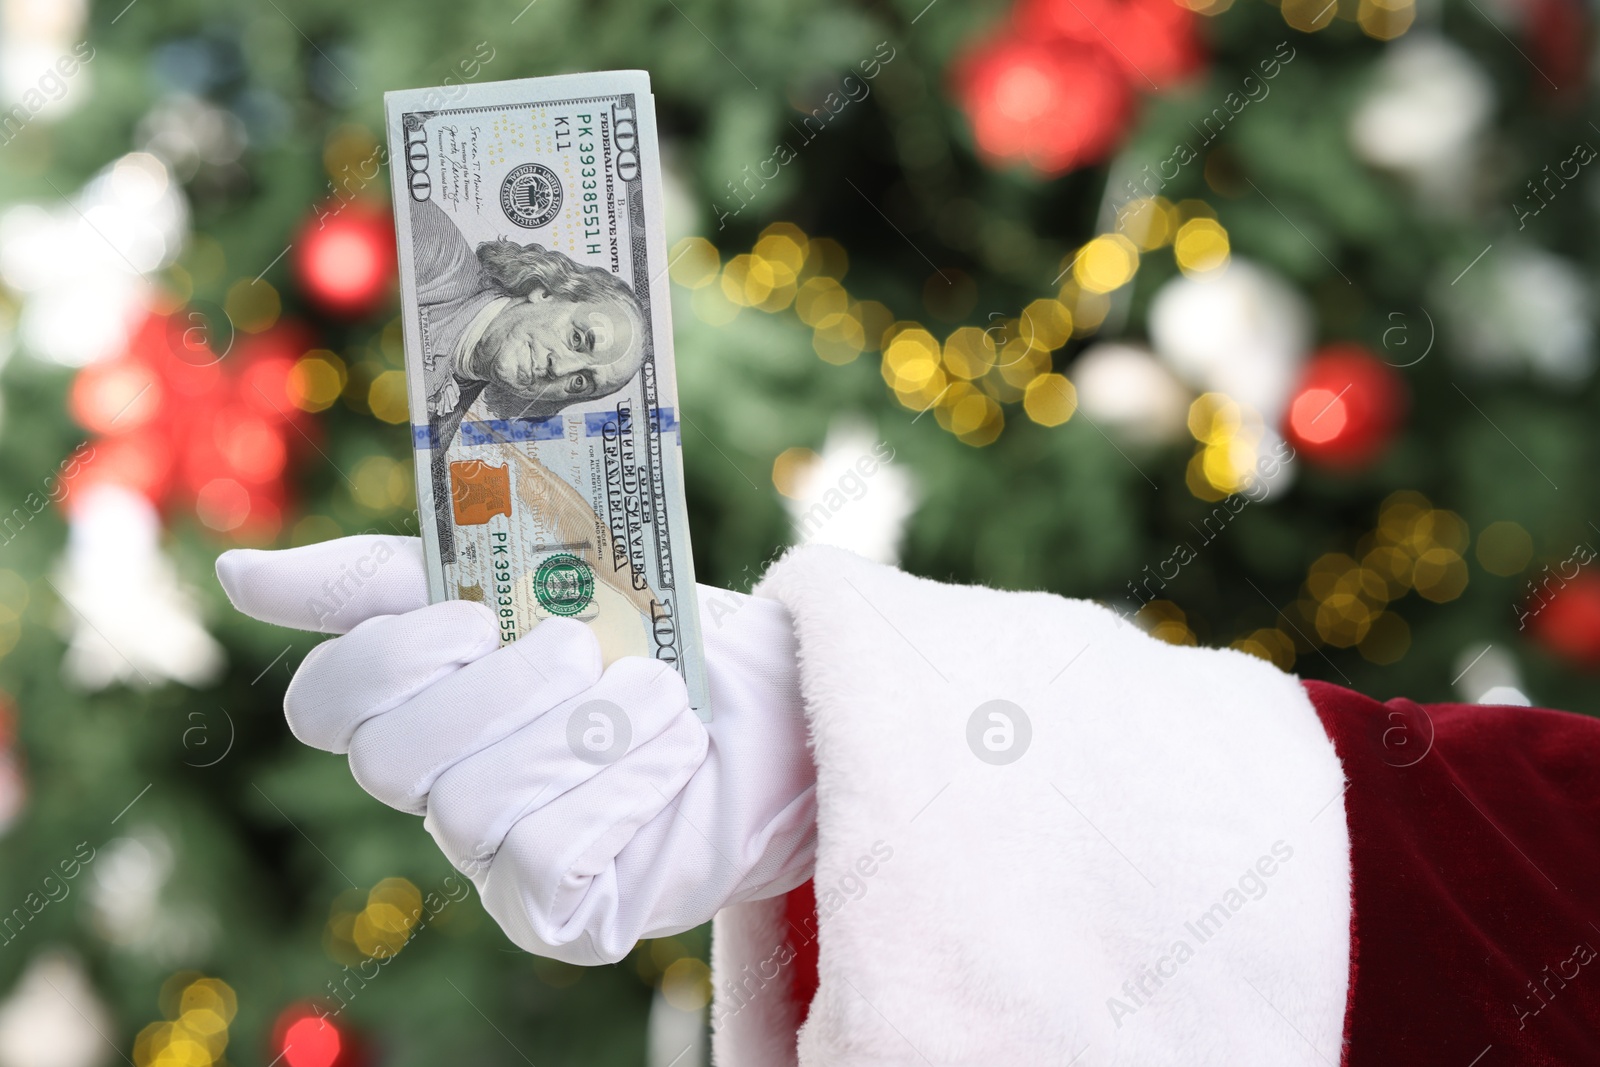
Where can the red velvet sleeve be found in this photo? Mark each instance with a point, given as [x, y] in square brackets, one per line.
[800, 937]
[1475, 863]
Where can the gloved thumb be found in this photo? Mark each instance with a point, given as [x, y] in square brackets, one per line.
[329, 587]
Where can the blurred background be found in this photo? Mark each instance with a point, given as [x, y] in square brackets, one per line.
[1267, 323]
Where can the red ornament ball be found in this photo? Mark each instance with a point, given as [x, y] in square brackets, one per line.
[345, 259]
[306, 1039]
[1558, 33]
[1153, 42]
[183, 426]
[141, 462]
[1567, 620]
[1051, 105]
[1347, 407]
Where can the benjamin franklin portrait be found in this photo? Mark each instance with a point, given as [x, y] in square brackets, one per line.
[527, 329]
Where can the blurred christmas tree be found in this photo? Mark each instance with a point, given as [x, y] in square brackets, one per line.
[1266, 325]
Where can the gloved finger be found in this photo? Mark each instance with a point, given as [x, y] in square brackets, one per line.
[553, 884]
[396, 756]
[380, 664]
[329, 587]
[472, 804]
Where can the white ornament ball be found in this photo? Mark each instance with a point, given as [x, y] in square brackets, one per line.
[53, 1017]
[1428, 103]
[1242, 331]
[1126, 390]
[854, 495]
[1522, 309]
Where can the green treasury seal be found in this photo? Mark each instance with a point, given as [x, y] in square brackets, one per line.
[564, 584]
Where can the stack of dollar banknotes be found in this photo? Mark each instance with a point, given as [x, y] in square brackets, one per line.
[538, 341]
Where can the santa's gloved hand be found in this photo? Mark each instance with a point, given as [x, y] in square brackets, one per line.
[590, 808]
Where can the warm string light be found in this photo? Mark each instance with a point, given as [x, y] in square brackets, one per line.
[1165, 621]
[969, 378]
[1230, 435]
[369, 379]
[1382, 20]
[683, 978]
[1415, 548]
[376, 924]
[195, 1032]
[1346, 599]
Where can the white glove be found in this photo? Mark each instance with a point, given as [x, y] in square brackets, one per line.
[590, 809]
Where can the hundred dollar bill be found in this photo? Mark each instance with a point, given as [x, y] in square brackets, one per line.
[539, 368]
